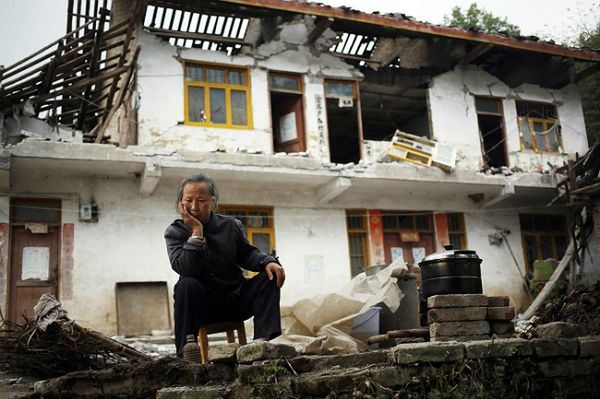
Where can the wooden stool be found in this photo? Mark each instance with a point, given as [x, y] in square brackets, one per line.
[226, 327]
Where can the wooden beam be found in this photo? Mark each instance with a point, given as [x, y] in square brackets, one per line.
[150, 178]
[318, 30]
[507, 191]
[475, 53]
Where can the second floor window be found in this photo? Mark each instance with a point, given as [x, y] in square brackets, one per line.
[538, 127]
[217, 96]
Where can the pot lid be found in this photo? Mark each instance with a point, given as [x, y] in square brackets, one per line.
[451, 253]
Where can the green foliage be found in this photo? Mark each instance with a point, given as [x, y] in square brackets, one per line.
[589, 37]
[480, 19]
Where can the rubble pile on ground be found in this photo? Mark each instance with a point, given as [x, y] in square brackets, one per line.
[580, 306]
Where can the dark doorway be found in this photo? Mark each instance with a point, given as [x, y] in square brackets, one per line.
[342, 121]
[491, 132]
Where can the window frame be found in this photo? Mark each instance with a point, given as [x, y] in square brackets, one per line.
[229, 210]
[530, 120]
[227, 87]
[537, 234]
[363, 233]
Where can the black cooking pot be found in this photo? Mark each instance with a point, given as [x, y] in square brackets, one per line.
[451, 272]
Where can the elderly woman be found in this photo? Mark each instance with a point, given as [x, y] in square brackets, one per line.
[207, 250]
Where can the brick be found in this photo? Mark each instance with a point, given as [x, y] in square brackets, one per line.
[455, 328]
[589, 346]
[502, 327]
[223, 353]
[456, 301]
[501, 313]
[427, 352]
[560, 329]
[498, 301]
[393, 376]
[194, 392]
[264, 350]
[510, 347]
[555, 347]
[566, 368]
[351, 360]
[456, 314]
[461, 338]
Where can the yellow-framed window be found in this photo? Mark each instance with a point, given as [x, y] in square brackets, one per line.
[258, 222]
[217, 96]
[538, 127]
[544, 236]
[358, 240]
[457, 234]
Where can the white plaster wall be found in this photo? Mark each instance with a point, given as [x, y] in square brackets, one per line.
[161, 88]
[454, 118]
[499, 273]
[312, 245]
[4, 218]
[161, 113]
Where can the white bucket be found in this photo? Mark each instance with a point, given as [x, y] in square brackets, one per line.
[366, 325]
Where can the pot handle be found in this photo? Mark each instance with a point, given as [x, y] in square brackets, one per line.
[448, 247]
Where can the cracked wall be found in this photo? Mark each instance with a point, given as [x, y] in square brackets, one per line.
[161, 89]
[454, 118]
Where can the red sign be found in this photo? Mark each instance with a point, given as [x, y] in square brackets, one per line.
[410, 236]
[376, 237]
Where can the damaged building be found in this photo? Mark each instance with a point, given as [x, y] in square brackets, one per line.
[341, 139]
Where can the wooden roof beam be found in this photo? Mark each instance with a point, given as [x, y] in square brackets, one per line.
[318, 30]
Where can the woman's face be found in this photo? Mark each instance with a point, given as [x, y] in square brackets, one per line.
[198, 201]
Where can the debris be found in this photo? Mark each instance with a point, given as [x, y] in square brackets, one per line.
[53, 345]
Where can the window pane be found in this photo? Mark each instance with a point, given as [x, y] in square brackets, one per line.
[238, 108]
[357, 253]
[525, 132]
[262, 242]
[336, 89]
[546, 244]
[487, 105]
[215, 75]
[284, 83]
[355, 221]
[389, 221]
[550, 137]
[406, 222]
[561, 246]
[258, 219]
[194, 72]
[36, 212]
[217, 106]
[531, 251]
[422, 222]
[457, 241]
[236, 77]
[196, 112]
[453, 222]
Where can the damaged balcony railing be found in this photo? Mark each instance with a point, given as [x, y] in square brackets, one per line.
[76, 80]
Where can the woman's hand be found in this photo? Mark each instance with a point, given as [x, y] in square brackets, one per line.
[276, 269]
[191, 221]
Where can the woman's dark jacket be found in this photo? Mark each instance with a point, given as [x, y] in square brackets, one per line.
[217, 264]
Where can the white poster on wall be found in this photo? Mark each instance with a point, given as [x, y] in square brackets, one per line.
[287, 127]
[418, 254]
[397, 253]
[36, 263]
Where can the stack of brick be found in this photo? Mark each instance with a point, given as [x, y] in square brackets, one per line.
[468, 317]
[500, 315]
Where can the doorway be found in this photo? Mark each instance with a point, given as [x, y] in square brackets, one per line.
[287, 112]
[343, 121]
[34, 254]
[490, 119]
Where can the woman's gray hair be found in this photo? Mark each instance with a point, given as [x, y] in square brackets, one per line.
[198, 178]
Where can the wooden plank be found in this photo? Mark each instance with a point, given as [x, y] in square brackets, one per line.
[409, 333]
[591, 189]
[102, 127]
[121, 62]
[195, 36]
[318, 30]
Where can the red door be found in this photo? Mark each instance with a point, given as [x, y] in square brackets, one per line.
[33, 268]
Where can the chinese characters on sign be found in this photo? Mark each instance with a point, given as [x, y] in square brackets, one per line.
[376, 237]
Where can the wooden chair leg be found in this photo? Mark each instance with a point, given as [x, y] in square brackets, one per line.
[230, 336]
[203, 338]
[242, 335]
